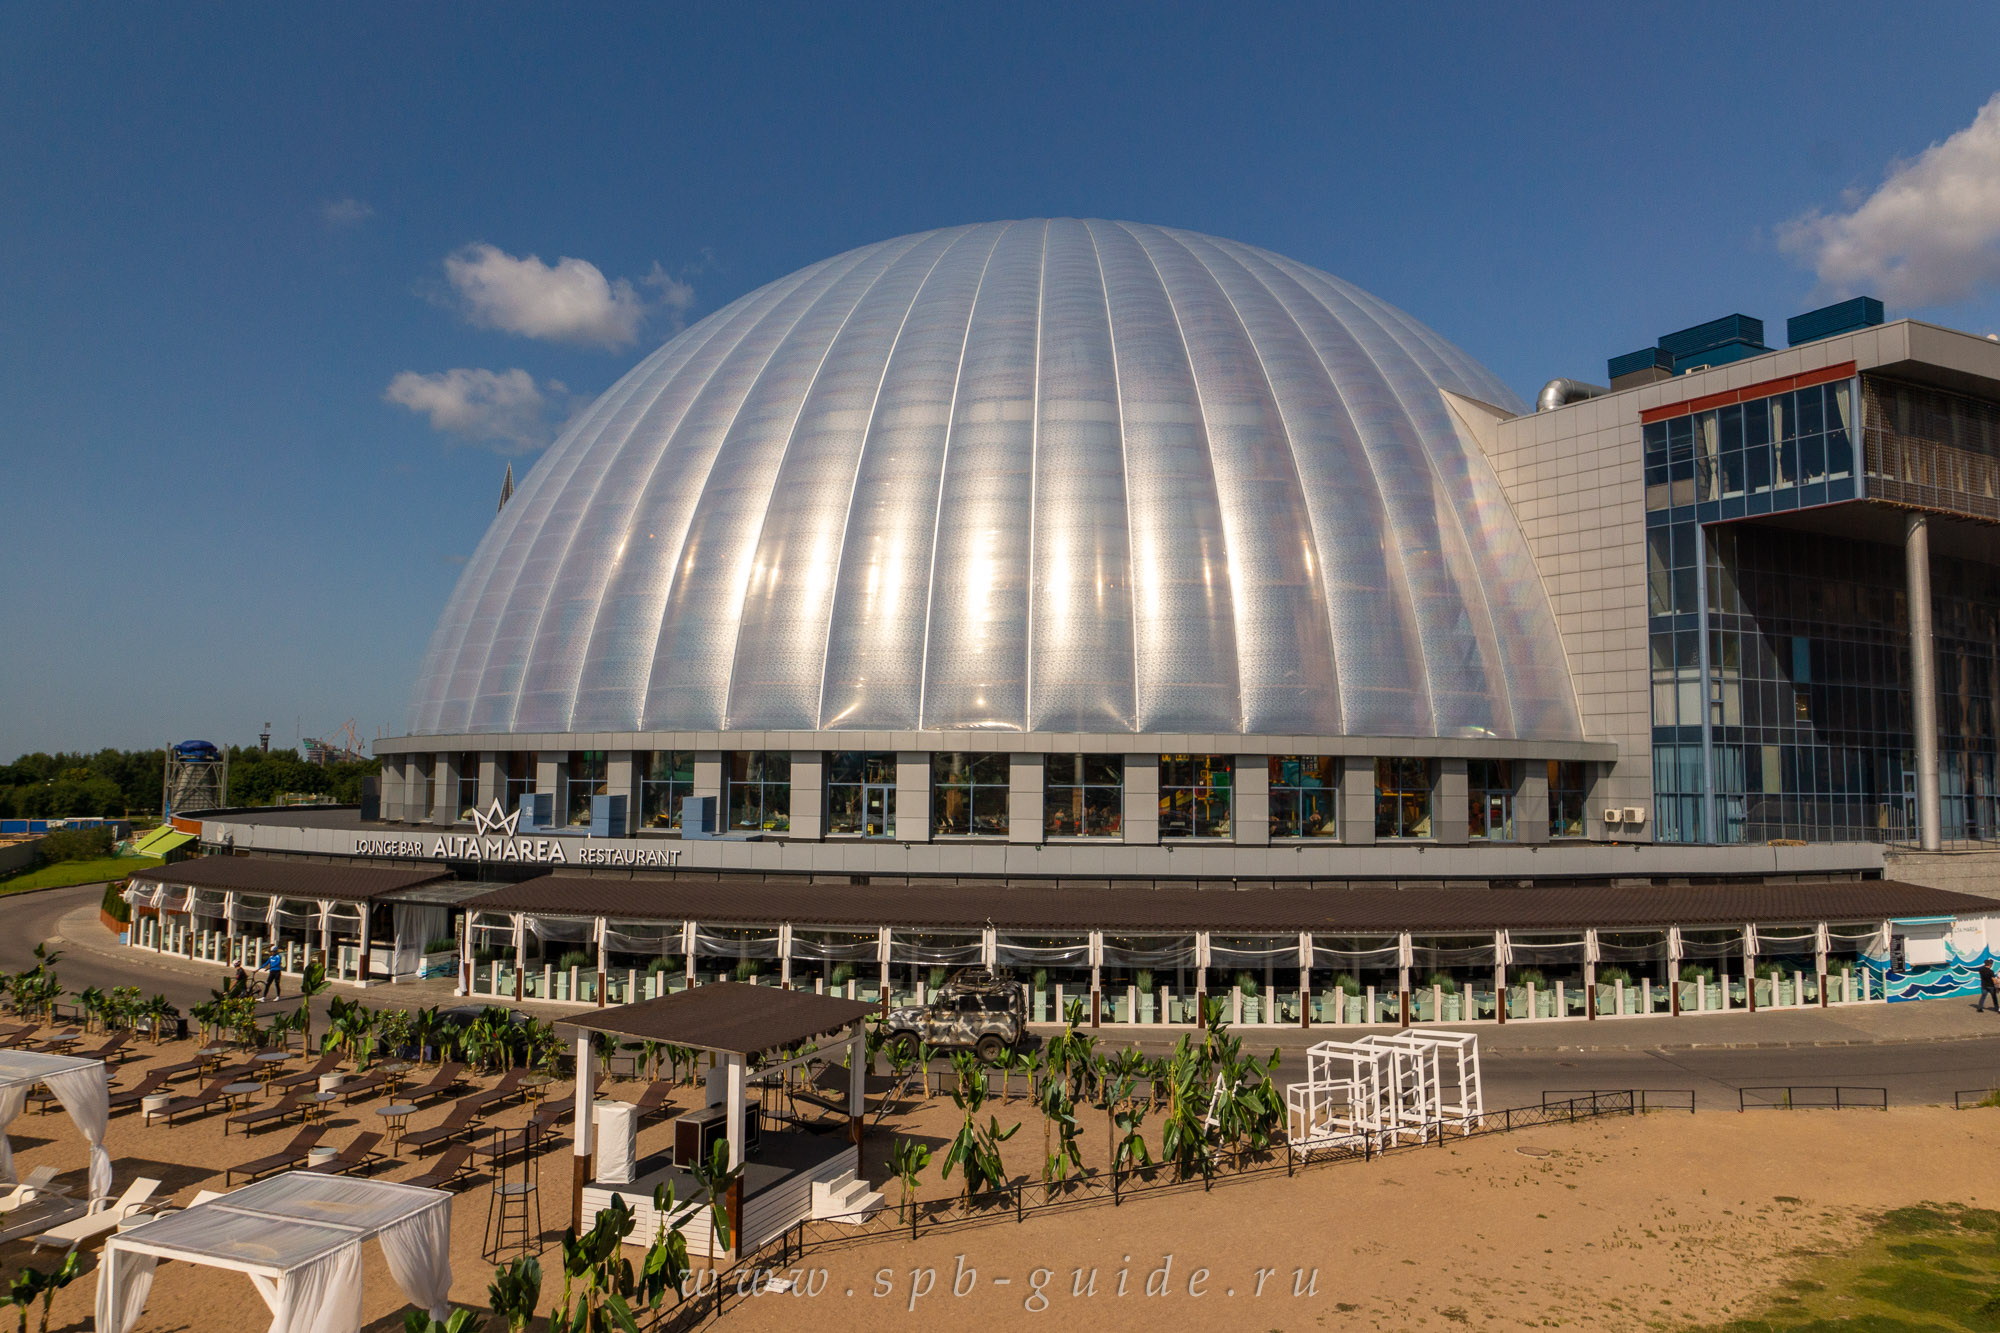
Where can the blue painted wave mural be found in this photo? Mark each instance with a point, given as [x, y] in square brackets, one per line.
[1939, 981]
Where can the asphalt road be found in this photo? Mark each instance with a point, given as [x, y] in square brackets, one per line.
[1916, 1072]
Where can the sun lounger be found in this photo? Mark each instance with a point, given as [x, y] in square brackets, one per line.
[15, 1036]
[307, 1078]
[125, 1098]
[112, 1051]
[357, 1155]
[58, 1042]
[458, 1122]
[271, 1113]
[506, 1090]
[100, 1222]
[367, 1085]
[40, 1181]
[653, 1100]
[448, 1076]
[291, 1155]
[207, 1099]
[449, 1166]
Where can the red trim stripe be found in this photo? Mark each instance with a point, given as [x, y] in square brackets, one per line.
[1749, 392]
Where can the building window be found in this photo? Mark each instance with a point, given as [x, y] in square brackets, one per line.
[760, 790]
[861, 793]
[1489, 793]
[585, 779]
[1566, 798]
[427, 765]
[1305, 796]
[468, 785]
[665, 780]
[969, 794]
[1083, 796]
[520, 777]
[1195, 795]
[1403, 797]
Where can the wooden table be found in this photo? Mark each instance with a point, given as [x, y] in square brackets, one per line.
[239, 1093]
[536, 1086]
[399, 1119]
[313, 1105]
[393, 1074]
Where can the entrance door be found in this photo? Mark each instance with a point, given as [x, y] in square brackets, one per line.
[878, 811]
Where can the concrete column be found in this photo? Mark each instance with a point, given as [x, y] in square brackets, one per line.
[621, 778]
[1357, 800]
[444, 770]
[1448, 810]
[913, 796]
[738, 1129]
[857, 1083]
[1024, 798]
[392, 786]
[809, 795]
[1252, 816]
[1531, 800]
[1923, 678]
[1142, 799]
[492, 779]
[710, 779]
[586, 1101]
[362, 968]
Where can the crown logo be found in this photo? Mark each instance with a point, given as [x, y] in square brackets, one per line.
[495, 820]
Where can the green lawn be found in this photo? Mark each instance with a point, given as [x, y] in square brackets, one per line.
[1934, 1268]
[65, 873]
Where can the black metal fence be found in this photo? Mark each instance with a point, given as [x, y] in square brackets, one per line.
[1024, 1198]
[1649, 1099]
[1808, 1098]
[1972, 1097]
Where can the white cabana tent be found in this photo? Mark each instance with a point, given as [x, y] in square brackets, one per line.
[298, 1236]
[84, 1090]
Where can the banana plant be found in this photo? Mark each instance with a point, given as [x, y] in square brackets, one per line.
[908, 1158]
[975, 1149]
[426, 1030]
[1130, 1150]
[32, 1284]
[1064, 1160]
[459, 1321]
[312, 983]
[716, 1176]
[515, 1291]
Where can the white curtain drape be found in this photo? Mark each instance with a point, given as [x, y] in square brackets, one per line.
[322, 1296]
[124, 1280]
[85, 1092]
[419, 1253]
[12, 1099]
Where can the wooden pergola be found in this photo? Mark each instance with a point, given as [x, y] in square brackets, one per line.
[734, 1022]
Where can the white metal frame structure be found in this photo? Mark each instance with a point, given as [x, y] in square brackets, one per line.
[81, 1085]
[298, 1238]
[1342, 1097]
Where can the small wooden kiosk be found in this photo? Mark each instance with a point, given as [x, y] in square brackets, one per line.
[736, 1024]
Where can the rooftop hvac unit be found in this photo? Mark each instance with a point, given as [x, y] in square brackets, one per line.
[1635, 814]
[1613, 815]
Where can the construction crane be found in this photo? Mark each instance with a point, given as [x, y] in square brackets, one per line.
[342, 747]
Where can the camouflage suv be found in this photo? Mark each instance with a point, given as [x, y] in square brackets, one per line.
[974, 1009]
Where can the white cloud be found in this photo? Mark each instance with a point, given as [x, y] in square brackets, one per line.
[676, 297]
[348, 212]
[505, 410]
[571, 301]
[1929, 235]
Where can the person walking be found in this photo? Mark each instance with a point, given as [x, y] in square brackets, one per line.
[1987, 989]
[274, 973]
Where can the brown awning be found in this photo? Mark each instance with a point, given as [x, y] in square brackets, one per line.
[1442, 910]
[290, 879]
[727, 1016]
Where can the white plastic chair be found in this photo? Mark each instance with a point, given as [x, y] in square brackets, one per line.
[99, 1222]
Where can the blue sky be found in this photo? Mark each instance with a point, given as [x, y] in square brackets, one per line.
[226, 232]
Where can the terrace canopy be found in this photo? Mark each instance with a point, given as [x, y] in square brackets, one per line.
[736, 1022]
[298, 1237]
[84, 1090]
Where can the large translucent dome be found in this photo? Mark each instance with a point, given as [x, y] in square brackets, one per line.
[1048, 476]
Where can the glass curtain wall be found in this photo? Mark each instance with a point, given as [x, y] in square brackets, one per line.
[760, 791]
[666, 778]
[969, 795]
[1632, 972]
[1195, 792]
[643, 960]
[1711, 970]
[1566, 791]
[736, 953]
[861, 794]
[1305, 795]
[586, 778]
[1540, 962]
[1403, 796]
[1083, 796]
[1489, 789]
[468, 786]
[520, 779]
